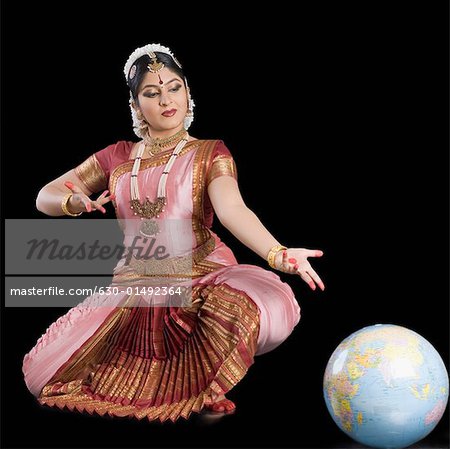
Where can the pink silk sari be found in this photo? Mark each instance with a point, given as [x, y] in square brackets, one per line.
[163, 362]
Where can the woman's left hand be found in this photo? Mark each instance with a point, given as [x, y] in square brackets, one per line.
[295, 261]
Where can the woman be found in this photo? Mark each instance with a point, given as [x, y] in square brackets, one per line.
[165, 362]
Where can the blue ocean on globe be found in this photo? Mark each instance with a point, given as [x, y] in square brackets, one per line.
[386, 386]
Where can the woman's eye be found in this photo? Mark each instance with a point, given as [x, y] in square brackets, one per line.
[175, 88]
[150, 94]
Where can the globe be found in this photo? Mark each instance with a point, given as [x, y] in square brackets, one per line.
[386, 386]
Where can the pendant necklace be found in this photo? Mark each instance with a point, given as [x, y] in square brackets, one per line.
[148, 209]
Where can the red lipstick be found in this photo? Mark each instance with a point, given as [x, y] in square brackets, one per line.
[169, 113]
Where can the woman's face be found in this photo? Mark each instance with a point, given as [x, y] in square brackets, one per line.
[164, 106]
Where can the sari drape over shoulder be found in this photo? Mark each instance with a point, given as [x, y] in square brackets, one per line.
[163, 362]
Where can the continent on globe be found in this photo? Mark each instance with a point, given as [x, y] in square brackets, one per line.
[386, 386]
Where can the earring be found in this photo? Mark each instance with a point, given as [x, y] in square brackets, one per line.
[189, 117]
[142, 123]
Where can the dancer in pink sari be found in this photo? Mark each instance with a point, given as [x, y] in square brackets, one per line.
[166, 362]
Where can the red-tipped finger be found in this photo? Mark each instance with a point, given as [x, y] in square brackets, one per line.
[307, 278]
[317, 279]
[315, 253]
[284, 261]
[88, 207]
[73, 187]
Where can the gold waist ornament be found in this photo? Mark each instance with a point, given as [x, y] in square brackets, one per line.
[178, 266]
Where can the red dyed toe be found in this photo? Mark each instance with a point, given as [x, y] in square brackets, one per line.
[224, 406]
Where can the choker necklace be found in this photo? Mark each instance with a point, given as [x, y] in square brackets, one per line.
[157, 144]
[150, 209]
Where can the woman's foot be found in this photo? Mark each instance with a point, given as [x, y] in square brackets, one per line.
[221, 405]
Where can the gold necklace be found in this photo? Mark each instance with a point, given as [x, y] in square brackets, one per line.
[157, 144]
[149, 209]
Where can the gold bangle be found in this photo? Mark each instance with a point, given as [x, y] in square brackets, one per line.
[64, 206]
[272, 253]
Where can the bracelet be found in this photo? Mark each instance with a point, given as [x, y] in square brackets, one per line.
[272, 253]
[64, 206]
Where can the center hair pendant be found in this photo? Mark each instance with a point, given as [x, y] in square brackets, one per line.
[154, 66]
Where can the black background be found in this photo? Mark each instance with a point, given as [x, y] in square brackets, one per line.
[337, 117]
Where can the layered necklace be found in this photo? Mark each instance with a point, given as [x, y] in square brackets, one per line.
[148, 209]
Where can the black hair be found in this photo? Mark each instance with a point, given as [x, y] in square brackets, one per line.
[142, 69]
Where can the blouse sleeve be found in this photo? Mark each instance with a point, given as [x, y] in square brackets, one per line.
[95, 170]
[222, 163]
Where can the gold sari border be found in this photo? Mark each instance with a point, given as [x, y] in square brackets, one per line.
[222, 166]
[210, 345]
[182, 266]
[200, 170]
[159, 159]
[91, 174]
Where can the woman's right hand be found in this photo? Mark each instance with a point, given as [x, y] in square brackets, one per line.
[80, 202]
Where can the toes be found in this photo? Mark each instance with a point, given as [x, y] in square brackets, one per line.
[222, 406]
[228, 405]
[217, 407]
